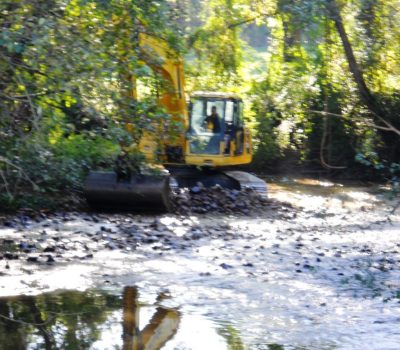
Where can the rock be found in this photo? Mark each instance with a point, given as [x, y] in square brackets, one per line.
[49, 249]
[33, 259]
[205, 274]
[249, 264]
[195, 189]
[24, 247]
[151, 239]
[111, 246]
[226, 266]
[11, 256]
[196, 235]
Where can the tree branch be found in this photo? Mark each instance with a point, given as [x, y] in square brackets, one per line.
[389, 126]
[27, 323]
[8, 162]
[25, 96]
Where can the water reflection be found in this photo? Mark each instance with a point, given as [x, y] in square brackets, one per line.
[67, 320]
[99, 320]
[162, 326]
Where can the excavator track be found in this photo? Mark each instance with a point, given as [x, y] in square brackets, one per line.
[150, 193]
[191, 176]
[231, 179]
[247, 180]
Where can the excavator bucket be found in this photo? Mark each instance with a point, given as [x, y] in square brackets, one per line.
[104, 190]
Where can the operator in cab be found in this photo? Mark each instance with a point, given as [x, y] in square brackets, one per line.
[212, 121]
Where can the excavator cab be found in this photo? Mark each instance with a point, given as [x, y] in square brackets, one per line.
[217, 135]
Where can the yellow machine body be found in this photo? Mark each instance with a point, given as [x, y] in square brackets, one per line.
[193, 144]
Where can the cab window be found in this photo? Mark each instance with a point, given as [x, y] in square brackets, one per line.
[229, 112]
[197, 116]
[239, 115]
[200, 110]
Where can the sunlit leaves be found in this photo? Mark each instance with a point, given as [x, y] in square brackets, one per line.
[66, 70]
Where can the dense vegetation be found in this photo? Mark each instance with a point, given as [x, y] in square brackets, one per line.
[320, 80]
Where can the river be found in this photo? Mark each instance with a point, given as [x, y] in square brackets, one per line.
[318, 270]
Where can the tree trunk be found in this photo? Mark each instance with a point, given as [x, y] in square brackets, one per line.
[381, 114]
[354, 67]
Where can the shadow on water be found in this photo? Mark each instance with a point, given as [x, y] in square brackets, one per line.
[96, 319]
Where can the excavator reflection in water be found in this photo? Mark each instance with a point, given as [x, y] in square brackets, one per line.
[197, 146]
[162, 326]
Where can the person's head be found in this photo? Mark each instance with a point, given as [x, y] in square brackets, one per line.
[213, 110]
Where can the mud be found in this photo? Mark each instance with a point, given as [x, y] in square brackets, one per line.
[316, 266]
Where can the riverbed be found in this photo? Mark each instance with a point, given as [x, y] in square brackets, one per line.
[317, 268]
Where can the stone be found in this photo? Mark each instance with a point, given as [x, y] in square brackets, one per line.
[226, 266]
[34, 258]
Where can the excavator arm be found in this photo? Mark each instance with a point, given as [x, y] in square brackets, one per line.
[158, 55]
[109, 190]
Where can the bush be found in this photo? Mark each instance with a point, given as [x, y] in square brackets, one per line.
[37, 171]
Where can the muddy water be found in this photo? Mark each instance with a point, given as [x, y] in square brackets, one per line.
[323, 276]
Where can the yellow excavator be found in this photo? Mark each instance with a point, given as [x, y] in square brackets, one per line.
[213, 141]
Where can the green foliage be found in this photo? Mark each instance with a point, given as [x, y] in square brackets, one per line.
[66, 72]
[303, 97]
[388, 171]
[216, 46]
[41, 169]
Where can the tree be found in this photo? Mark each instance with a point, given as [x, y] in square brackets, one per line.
[65, 81]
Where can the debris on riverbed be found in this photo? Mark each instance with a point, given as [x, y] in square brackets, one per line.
[201, 200]
[318, 263]
[39, 237]
[45, 238]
